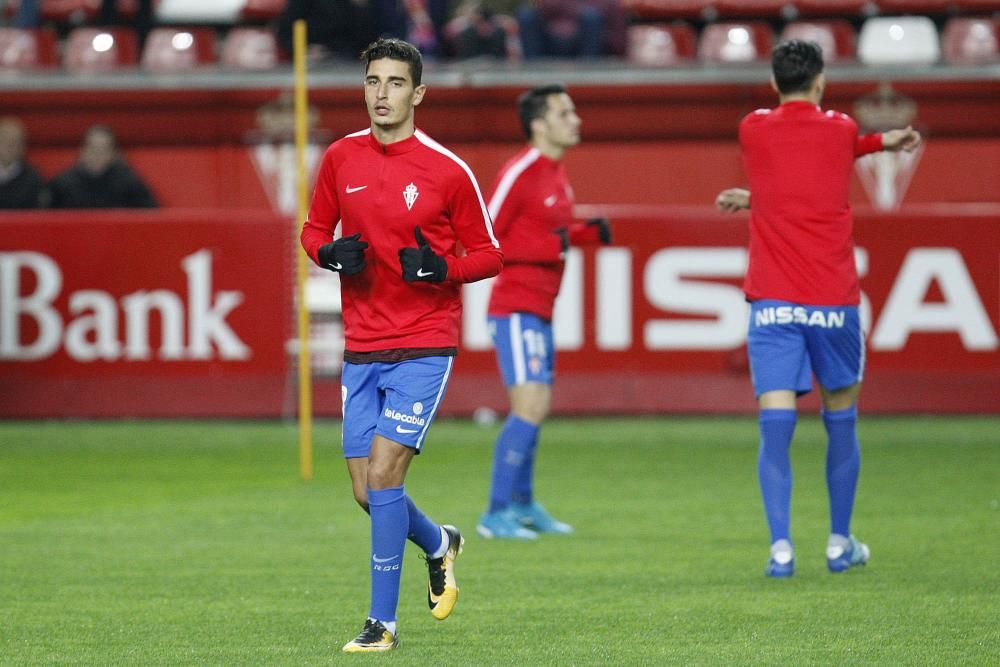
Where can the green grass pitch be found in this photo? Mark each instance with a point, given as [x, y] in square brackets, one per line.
[180, 543]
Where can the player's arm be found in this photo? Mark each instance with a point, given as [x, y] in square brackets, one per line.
[592, 232]
[324, 210]
[472, 225]
[732, 200]
[474, 229]
[524, 238]
[345, 255]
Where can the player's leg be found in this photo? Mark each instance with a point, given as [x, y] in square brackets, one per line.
[414, 391]
[529, 405]
[780, 372]
[837, 353]
[388, 462]
[523, 359]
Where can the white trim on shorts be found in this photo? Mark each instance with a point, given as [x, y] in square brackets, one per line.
[437, 402]
[517, 352]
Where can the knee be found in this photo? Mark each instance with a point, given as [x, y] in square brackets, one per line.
[361, 498]
[381, 476]
[533, 414]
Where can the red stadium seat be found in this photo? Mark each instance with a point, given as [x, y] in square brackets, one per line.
[26, 49]
[250, 49]
[178, 49]
[661, 45]
[100, 49]
[732, 43]
[69, 11]
[831, 8]
[914, 6]
[668, 9]
[972, 6]
[263, 10]
[835, 37]
[748, 8]
[967, 40]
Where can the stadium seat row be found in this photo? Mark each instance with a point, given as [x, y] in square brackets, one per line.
[789, 9]
[884, 40]
[89, 49]
[221, 12]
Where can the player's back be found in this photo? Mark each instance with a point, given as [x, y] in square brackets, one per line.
[798, 161]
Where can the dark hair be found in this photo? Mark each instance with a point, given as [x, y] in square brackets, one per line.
[795, 65]
[395, 49]
[534, 103]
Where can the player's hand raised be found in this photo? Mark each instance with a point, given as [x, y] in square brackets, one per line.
[901, 140]
[345, 255]
[733, 199]
[603, 229]
[422, 263]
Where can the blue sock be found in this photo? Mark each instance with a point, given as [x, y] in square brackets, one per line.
[524, 484]
[423, 532]
[390, 521]
[774, 469]
[510, 455]
[843, 462]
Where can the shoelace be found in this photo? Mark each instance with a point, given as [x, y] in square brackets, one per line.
[435, 571]
[372, 632]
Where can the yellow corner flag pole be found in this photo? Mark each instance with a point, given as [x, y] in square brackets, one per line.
[301, 137]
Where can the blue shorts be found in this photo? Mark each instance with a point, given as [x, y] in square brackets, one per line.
[788, 342]
[397, 401]
[525, 353]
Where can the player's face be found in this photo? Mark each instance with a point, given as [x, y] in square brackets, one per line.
[390, 94]
[562, 125]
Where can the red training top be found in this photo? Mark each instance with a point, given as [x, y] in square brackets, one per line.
[530, 199]
[798, 159]
[384, 192]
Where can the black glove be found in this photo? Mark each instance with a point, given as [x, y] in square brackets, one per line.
[422, 263]
[345, 255]
[603, 229]
[563, 235]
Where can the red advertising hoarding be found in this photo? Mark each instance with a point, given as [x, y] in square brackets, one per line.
[188, 314]
[153, 314]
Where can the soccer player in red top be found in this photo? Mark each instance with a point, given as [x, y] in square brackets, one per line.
[531, 204]
[390, 188]
[802, 285]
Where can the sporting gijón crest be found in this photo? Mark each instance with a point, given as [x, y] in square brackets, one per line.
[410, 194]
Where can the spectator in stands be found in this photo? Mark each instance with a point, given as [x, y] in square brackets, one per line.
[28, 14]
[478, 31]
[21, 186]
[142, 21]
[572, 28]
[420, 22]
[100, 178]
[337, 29]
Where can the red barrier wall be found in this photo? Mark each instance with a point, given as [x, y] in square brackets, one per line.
[669, 144]
[155, 314]
[187, 313]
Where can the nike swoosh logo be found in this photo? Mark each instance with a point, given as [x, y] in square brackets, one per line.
[400, 429]
[423, 274]
[336, 266]
[384, 560]
[360, 187]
